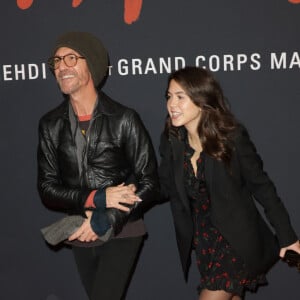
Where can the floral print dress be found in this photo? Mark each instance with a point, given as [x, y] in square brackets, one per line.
[220, 267]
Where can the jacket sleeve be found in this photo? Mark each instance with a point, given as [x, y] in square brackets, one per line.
[54, 194]
[262, 188]
[141, 156]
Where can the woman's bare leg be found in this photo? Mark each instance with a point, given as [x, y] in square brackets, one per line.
[217, 295]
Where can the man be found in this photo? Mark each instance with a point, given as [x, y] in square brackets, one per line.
[95, 159]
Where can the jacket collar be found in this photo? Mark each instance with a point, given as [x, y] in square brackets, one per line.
[105, 106]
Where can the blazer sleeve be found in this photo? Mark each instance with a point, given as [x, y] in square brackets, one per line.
[262, 188]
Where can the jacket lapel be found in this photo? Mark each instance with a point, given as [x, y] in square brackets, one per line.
[178, 159]
[208, 172]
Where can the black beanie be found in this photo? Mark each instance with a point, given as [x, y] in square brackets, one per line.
[88, 46]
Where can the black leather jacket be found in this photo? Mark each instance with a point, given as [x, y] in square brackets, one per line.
[118, 149]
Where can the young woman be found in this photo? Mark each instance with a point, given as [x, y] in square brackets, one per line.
[211, 173]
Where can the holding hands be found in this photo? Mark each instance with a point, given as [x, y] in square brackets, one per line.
[117, 196]
[120, 197]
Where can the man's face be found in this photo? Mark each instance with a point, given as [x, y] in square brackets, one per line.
[72, 79]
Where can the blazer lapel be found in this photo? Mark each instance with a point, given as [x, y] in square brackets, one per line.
[178, 159]
[208, 172]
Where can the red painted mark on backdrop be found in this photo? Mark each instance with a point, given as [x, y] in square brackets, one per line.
[76, 3]
[132, 8]
[294, 1]
[24, 4]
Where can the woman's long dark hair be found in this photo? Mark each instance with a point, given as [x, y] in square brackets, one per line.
[217, 123]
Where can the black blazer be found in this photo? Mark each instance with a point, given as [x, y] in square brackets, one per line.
[233, 210]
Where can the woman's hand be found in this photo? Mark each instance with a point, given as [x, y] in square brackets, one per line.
[85, 232]
[295, 247]
[121, 194]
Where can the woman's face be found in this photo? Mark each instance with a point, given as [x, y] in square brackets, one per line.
[182, 110]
